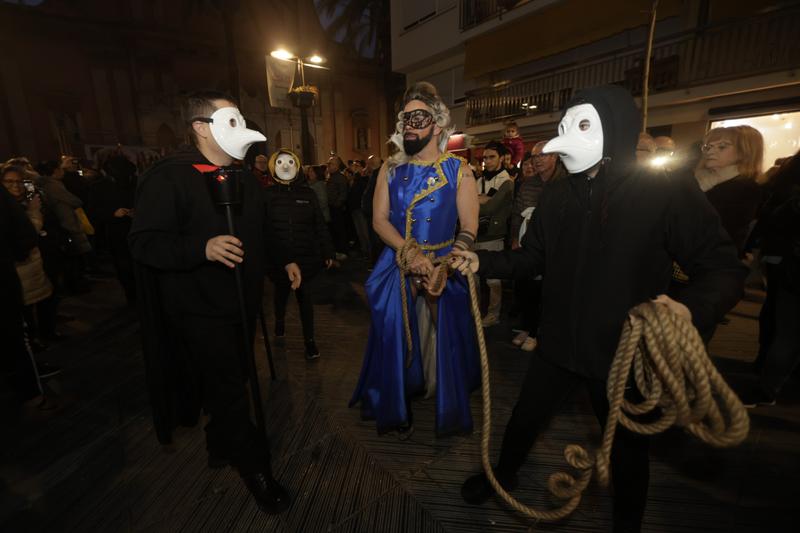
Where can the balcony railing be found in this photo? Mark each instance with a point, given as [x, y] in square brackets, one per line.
[744, 48]
[474, 12]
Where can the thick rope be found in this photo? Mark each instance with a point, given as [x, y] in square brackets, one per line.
[671, 369]
[674, 375]
[404, 257]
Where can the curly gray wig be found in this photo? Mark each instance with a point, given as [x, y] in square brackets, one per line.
[426, 93]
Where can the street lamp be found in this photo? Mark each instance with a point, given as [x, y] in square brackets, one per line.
[303, 96]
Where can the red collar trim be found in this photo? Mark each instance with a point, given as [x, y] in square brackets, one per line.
[205, 168]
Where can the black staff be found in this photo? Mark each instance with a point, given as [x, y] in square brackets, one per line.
[267, 346]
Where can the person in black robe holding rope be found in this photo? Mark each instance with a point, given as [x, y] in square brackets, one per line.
[604, 238]
[190, 311]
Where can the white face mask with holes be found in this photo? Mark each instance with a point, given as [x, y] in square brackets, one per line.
[285, 168]
[230, 131]
[580, 139]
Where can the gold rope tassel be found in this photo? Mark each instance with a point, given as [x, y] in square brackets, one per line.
[672, 372]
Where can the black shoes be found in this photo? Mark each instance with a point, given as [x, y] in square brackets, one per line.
[311, 350]
[270, 496]
[477, 489]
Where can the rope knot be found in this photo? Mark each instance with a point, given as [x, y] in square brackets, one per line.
[406, 254]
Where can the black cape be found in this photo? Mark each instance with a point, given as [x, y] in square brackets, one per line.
[174, 399]
[175, 216]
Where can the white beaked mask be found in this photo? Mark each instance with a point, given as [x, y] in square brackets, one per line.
[285, 167]
[229, 129]
[580, 139]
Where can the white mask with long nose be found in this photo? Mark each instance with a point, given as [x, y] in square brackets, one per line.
[580, 139]
[229, 129]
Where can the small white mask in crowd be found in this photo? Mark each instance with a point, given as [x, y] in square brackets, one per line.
[229, 129]
[580, 139]
[285, 167]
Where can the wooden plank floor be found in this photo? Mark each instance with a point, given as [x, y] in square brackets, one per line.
[98, 467]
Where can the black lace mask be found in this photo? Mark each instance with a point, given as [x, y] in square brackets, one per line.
[417, 119]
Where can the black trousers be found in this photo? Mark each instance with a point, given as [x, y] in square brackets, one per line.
[338, 227]
[17, 360]
[216, 351]
[528, 300]
[123, 264]
[40, 318]
[304, 301]
[779, 337]
[545, 388]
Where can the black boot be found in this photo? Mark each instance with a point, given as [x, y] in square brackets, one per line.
[311, 350]
[477, 489]
[270, 496]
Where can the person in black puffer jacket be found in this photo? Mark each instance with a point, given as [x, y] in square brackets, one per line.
[296, 221]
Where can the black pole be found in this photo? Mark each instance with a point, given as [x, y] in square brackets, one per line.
[309, 156]
[267, 347]
[255, 389]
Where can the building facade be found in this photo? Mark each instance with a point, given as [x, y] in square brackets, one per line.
[76, 76]
[714, 62]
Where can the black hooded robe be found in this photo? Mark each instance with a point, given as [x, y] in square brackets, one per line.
[604, 245]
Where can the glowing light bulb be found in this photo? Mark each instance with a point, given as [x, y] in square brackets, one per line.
[282, 54]
[659, 161]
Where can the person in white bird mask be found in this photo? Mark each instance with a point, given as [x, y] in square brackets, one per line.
[604, 239]
[192, 326]
[229, 129]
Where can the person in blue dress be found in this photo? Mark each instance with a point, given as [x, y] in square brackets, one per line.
[422, 335]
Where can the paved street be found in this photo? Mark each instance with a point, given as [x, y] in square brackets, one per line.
[97, 466]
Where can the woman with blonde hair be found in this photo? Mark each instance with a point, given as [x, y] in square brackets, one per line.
[727, 172]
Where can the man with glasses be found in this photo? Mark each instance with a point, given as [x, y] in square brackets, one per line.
[495, 193]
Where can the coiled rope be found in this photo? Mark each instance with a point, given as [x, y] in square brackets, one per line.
[671, 368]
[674, 376]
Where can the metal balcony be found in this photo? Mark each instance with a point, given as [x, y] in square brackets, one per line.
[474, 12]
[729, 51]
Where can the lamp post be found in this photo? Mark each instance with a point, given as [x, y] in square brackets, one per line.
[303, 97]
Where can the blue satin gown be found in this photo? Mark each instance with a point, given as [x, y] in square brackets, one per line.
[422, 204]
